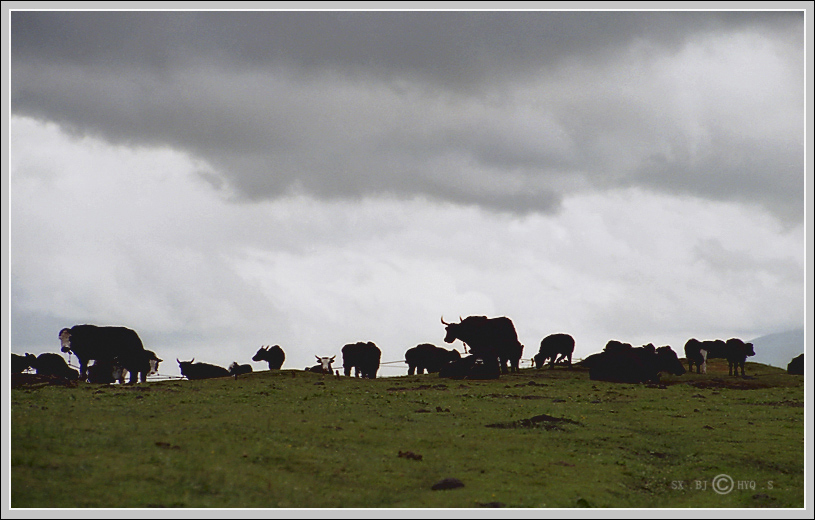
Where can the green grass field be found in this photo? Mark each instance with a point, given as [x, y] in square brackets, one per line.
[292, 439]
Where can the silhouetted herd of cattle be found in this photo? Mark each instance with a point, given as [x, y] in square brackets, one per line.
[493, 349]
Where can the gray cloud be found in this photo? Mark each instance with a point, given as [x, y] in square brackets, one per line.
[449, 46]
[509, 110]
[133, 236]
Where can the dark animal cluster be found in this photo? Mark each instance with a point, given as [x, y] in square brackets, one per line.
[624, 363]
[734, 350]
[113, 351]
[493, 346]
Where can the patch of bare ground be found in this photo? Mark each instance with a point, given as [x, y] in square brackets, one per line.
[733, 383]
[416, 388]
[34, 381]
[544, 421]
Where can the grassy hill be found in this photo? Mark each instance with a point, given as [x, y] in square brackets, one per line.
[291, 439]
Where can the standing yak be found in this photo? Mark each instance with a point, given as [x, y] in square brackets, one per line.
[736, 353]
[106, 371]
[364, 357]
[492, 340]
[119, 344]
[698, 352]
[146, 364]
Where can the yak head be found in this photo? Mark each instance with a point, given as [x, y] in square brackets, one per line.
[325, 363]
[153, 360]
[183, 365]
[261, 354]
[65, 339]
[453, 330]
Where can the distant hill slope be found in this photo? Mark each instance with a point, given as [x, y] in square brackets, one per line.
[778, 349]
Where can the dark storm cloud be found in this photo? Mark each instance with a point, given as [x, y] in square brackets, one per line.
[505, 109]
[450, 46]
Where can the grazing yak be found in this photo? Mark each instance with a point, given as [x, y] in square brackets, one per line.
[20, 363]
[796, 366]
[53, 365]
[363, 357]
[555, 348]
[119, 344]
[493, 340]
[471, 367]
[192, 370]
[622, 363]
[274, 356]
[237, 370]
[428, 357]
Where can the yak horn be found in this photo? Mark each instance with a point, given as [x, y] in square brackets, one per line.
[442, 320]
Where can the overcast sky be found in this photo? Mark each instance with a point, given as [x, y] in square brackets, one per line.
[219, 181]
